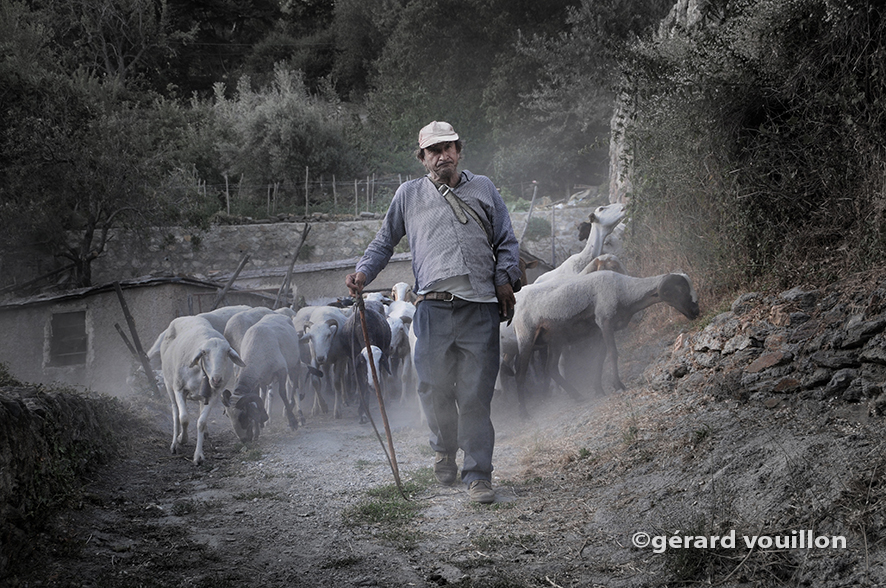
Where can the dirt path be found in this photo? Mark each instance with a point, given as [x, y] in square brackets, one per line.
[287, 511]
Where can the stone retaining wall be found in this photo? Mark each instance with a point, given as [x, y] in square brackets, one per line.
[219, 250]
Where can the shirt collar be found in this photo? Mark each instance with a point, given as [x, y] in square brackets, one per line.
[464, 177]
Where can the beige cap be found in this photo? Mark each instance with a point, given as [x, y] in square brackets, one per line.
[436, 132]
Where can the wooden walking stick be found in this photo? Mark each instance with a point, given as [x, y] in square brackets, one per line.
[392, 458]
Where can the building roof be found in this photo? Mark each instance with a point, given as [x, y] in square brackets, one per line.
[79, 293]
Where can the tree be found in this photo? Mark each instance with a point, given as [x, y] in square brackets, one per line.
[459, 61]
[572, 102]
[358, 43]
[273, 134]
[72, 164]
[120, 40]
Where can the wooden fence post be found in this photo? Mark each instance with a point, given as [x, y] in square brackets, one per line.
[288, 278]
[529, 214]
[307, 213]
[146, 365]
[221, 295]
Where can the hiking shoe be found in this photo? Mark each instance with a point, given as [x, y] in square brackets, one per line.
[481, 491]
[445, 468]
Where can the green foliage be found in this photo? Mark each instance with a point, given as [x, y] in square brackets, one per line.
[757, 142]
[538, 228]
[276, 133]
[54, 439]
[384, 505]
[561, 128]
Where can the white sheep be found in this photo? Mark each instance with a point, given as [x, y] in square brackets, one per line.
[400, 356]
[270, 349]
[603, 220]
[328, 356]
[198, 364]
[403, 310]
[549, 356]
[238, 324]
[594, 304]
[403, 292]
[218, 318]
[606, 261]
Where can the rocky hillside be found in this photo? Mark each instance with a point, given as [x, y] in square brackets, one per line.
[822, 345]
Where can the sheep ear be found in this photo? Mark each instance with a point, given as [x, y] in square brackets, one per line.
[385, 364]
[236, 358]
[226, 398]
[197, 357]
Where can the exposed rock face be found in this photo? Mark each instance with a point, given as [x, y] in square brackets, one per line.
[683, 15]
[823, 345]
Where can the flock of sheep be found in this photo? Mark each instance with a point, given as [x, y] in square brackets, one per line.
[240, 356]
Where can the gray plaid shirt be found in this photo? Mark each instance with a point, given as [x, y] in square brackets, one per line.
[441, 246]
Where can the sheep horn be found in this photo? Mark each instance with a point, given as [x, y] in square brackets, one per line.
[392, 458]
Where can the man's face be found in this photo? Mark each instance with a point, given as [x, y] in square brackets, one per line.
[441, 161]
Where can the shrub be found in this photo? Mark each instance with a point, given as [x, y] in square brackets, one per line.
[756, 143]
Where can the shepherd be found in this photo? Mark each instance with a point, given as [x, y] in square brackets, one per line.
[465, 259]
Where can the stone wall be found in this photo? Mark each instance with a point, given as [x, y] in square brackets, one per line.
[217, 252]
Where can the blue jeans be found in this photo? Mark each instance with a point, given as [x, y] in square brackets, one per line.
[456, 359]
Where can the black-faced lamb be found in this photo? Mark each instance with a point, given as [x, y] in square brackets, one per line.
[380, 337]
[198, 363]
[270, 350]
[588, 305]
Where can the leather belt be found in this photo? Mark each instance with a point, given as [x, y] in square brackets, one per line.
[444, 296]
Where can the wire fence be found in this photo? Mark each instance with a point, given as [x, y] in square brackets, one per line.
[331, 195]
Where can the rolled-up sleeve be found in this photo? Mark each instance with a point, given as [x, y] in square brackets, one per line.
[380, 250]
[507, 249]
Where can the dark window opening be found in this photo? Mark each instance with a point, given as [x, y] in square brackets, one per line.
[68, 343]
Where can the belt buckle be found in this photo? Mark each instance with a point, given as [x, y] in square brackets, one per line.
[447, 297]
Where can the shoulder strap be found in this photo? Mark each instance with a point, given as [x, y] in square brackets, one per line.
[460, 207]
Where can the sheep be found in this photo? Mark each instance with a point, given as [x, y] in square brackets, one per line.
[328, 354]
[238, 324]
[400, 355]
[377, 297]
[218, 318]
[594, 304]
[550, 357]
[379, 335]
[198, 363]
[363, 371]
[405, 311]
[403, 292]
[603, 221]
[286, 311]
[607, 261]
[270, 349]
